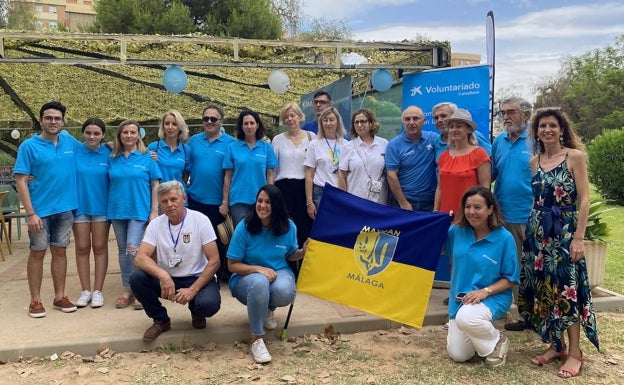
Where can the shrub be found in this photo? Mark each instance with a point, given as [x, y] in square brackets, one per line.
[606, 165]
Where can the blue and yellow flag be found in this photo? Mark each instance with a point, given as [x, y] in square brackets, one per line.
[372, 257]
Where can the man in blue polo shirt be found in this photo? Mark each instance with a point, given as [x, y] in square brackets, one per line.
[411, 164]
[511, 153]
[48, 199]
[205, 193]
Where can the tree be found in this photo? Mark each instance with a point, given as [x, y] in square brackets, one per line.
[142, 17]
[254, 19]
[291, 13]
[3, 13]
[327, 29]
[590, 88]
[20, 15]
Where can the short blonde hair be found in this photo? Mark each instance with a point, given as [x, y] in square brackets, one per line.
[291, 106]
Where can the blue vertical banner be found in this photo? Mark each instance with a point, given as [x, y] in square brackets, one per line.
[340, 92]
[468, 87]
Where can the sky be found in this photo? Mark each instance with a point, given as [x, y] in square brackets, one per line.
[532, 36]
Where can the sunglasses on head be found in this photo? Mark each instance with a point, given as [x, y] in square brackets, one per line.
[211, 119]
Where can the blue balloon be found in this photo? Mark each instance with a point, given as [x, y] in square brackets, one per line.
[174, 79]
[382, 80]
[142, 132]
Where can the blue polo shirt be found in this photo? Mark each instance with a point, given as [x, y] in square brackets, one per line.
[511, 170]
[415, 163]
[482, 141]
[311, 126]
[263, 249]
[92, 179]
[207, 168]
[53, 167]
[249, 167]
[172, 164]
[478, 264]
[130, 191]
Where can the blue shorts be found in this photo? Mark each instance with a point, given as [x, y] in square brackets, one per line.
[89, 218]
[55, 232]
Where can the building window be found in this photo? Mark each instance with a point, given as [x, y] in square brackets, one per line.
[66, 15]
[38, 24]
[38, 8]
[52, 9]
[52, 24]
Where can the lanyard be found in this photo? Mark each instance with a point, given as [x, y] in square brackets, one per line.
[177, 239]
[334, 160]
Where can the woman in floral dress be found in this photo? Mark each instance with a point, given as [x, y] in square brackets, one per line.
[554, 287]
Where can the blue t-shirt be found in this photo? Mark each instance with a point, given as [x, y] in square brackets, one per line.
[92, 180]
[415, 163]
[207, 168]
[172, 164]
[263, 249]
[130, 191]
[311, 126]
[249, 168]
[511, 170]
[482, 141]
[478, 264]
[53, 167]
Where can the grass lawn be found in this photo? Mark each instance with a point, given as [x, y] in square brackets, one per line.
[614, 275]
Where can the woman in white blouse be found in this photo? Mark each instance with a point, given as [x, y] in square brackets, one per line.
[362, 163]
[290, 150]
[322, 157]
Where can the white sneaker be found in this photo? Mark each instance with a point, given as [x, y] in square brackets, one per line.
[84, 299]
[269, 321]
[259, 352]
[98, 299]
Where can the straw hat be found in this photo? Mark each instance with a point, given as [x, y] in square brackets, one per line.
[225, 230]
[463, 116]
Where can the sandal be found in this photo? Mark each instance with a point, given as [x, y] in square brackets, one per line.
[568, 372]
[137, 305]
[542, 360]
[122, 301]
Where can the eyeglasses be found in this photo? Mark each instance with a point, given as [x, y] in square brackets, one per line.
[320, 102]
[358, 122]
[211, 119]
[507, 112]
[52, 118]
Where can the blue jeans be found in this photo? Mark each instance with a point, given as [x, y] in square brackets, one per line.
[255, 291]
[417, 205]
[55, 232]
[146, 289]
[239, 211]
[317, 192]
[129, 233]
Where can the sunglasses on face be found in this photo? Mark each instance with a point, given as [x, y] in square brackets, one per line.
[211, 119]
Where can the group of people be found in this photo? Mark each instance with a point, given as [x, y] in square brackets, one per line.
[165, 201]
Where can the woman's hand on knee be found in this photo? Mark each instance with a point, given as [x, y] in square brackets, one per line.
[269, 273]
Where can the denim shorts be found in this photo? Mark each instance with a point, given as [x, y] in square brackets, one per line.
[55, 232]
[89, 218]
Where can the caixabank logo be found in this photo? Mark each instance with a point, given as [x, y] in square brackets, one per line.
[373, 251]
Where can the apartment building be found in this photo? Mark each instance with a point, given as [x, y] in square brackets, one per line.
[50, 14]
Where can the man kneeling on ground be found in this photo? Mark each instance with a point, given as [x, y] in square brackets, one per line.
[177, 260]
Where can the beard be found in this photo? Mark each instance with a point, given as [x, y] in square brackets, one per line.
[514, 128]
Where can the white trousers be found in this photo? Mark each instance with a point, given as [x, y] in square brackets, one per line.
[471, 332]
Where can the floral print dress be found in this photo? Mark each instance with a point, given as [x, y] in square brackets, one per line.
[554, 291]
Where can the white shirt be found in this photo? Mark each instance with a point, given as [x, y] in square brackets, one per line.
[355, 153]
[319, 157]
[179, 248]
[290, 158]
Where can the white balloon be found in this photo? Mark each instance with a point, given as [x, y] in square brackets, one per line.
[15, 134]
[279, 82]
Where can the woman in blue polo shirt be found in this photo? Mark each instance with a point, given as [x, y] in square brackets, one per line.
[171, 152]
[249, 164]
[91, 226]
[257, 257]
[134, 178]
[485, 268]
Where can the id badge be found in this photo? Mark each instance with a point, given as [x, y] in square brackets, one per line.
[175, 262]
